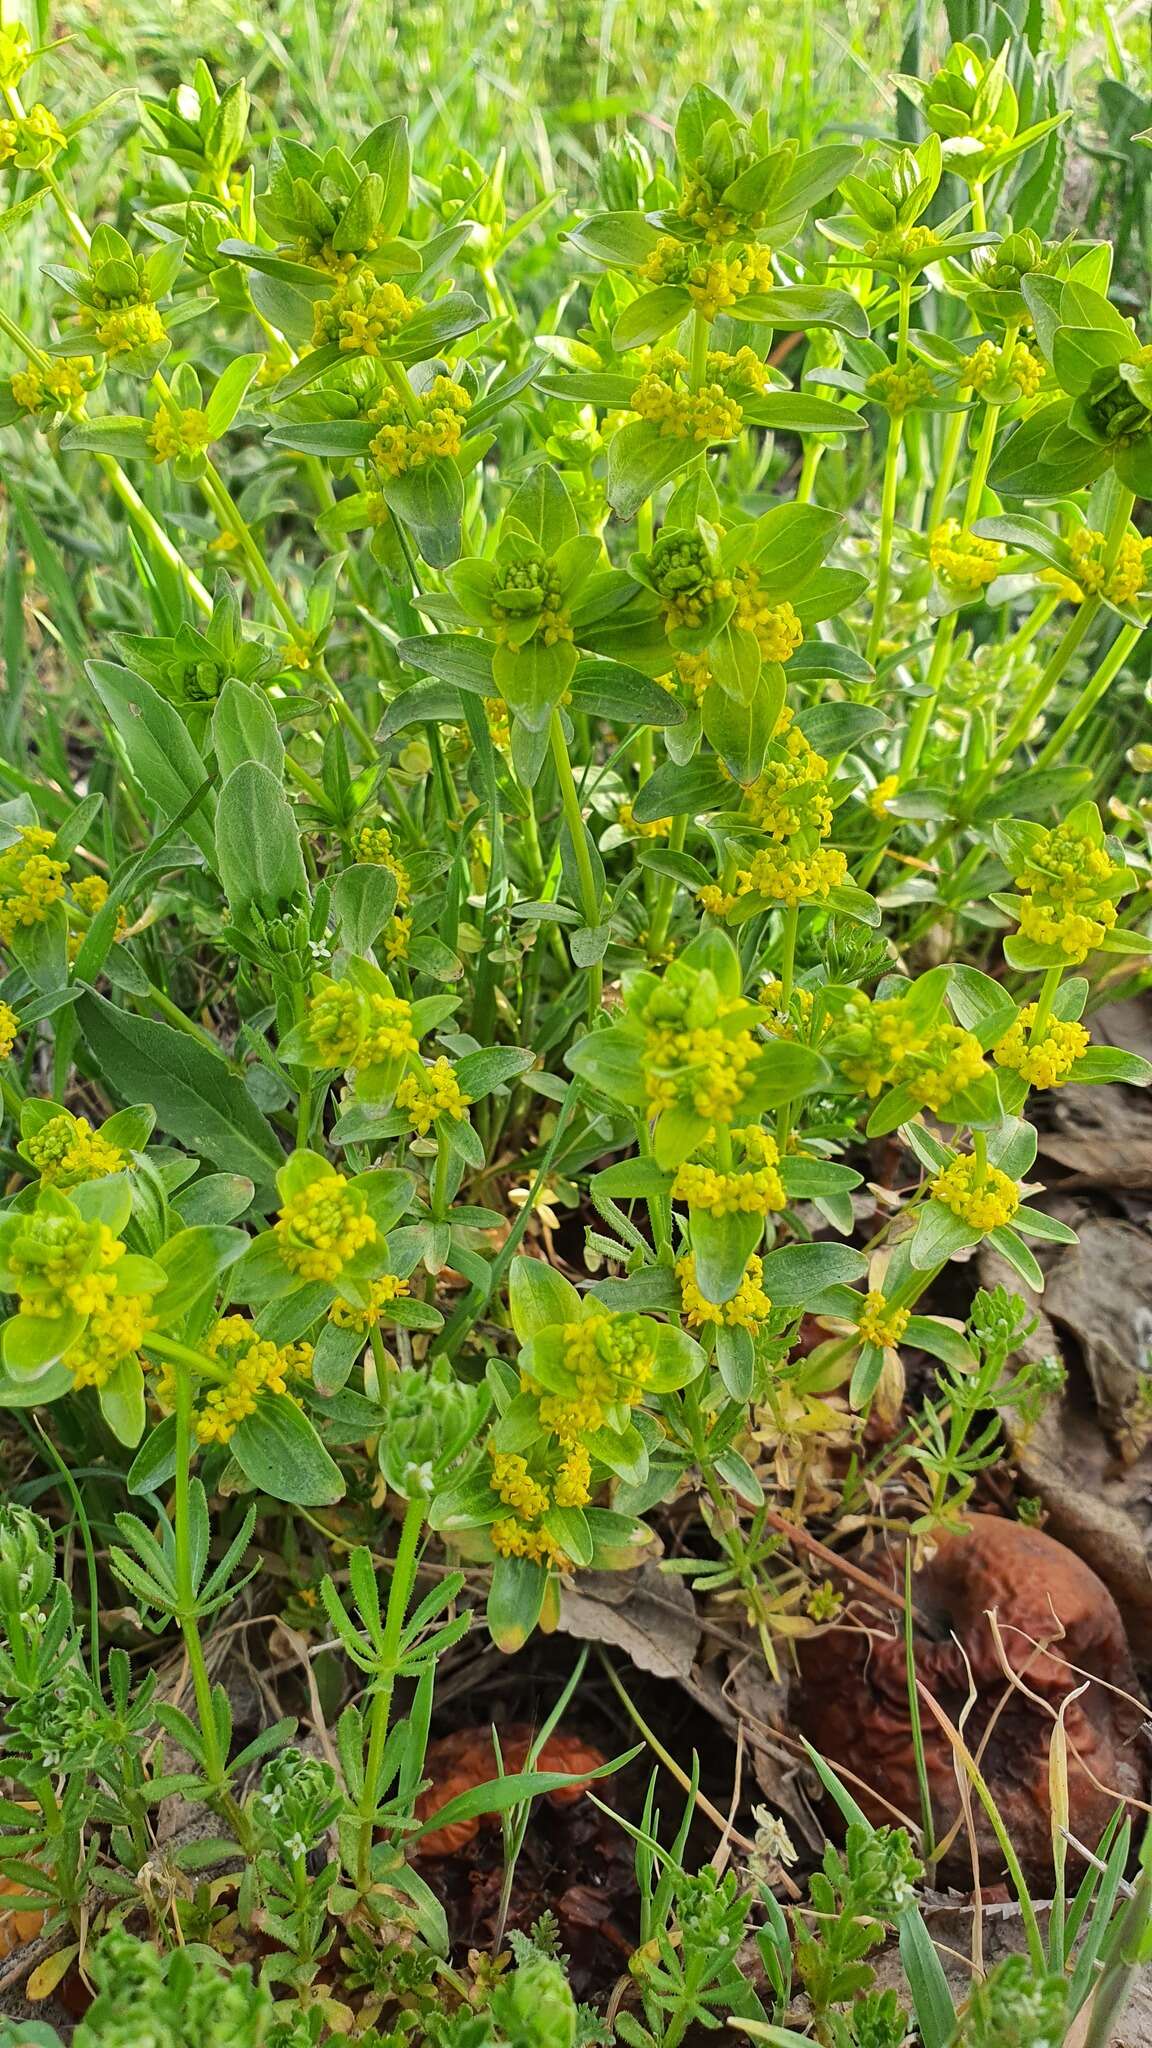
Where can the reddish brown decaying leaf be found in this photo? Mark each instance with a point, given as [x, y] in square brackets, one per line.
[458, 1763]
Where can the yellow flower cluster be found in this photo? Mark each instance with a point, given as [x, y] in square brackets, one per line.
[880, 797]
[124, 328]
[55, 385]
[63, 1263]
[695, 672]
[512, 1539]
[785, 877]
[963, 559]
[432, 1092]
[90, 894]
[790, 795]
[789, 800]
[348, 1026]
[512, 1482]
[254, 1366]
[322, 1226]
[31, 140]
[499, 727]
[529, 1499]
[1065, 891]
[982, 1198]
[952, 1061]
[778, 1020]
[775, 627]
[9, 1029]
[714, 283]
[397, 937]
[114, 1330]
[610, 1360]
[882, 1039]
[542, 582]
[699, 206]
[186, 432]
[884, 1046]
[900, 243]
[878, 1323]
[387, 1288]
[1128, 576]
[627, 821]
[372, 846]
[360, 315]
[1044, 1062]
[757, 1191]
[987, 366]
[746, 1310]
[573, 1487]
[431, 430]
[697, 1067]
[66, 1150]
[899, 390]
[31, 881]
[705, 415]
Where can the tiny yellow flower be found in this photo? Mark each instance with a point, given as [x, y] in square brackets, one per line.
[432, 1092]
[186, 432]
[512, 1482]
[322, 1226]
[254, 1365]
[125, 328]
[962, 559]
[382, 1291]
[1044, 1062]
[511, 1539]
[432, 430]
[360, 315]
[746, 1310]
[900, 390]
[9, 1029]
[879, 1323]
[880, 797]
[757, 1191]
[66, 1151]
[984, 1200]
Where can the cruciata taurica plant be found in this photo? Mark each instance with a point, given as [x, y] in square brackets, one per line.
[597, 711]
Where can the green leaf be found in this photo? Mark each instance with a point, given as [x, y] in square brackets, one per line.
[258, 844]
[798, 1272]
[640, 459]
[244, 728]
[515, 1598]
[278, 1450]
[363, 900]
[539, 1297]
[160, 753]
[194, 1260]
[675, 791]
[197, 1097]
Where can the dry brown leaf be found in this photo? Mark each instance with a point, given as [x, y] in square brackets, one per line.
[650, 1615]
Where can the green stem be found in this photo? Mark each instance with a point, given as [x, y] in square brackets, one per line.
[589, 894]
[698, 369]
[1122, 646]
[214, 1762]
[887, 529]
[1074, 632]
[399, 1593]
[1044, 1002]
[440, 1180]
[662, 918]
[1036, 699]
